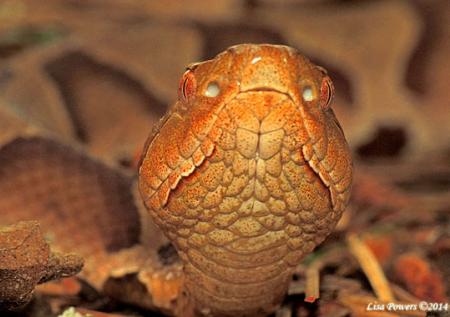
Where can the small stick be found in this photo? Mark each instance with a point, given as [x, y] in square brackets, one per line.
[312, 272]
[371, 268]
[312, 283]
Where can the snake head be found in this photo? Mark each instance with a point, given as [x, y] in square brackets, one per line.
[246, 174]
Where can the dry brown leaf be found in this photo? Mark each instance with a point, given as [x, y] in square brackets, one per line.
[11, 123]
[420, 278]
[83, 16]
[382, 246]
[375, 61]
[26, 260]
[103, 90]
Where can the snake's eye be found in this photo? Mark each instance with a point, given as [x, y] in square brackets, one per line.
[212, 90]
[326, 92]
[308, 93]
[188, 86]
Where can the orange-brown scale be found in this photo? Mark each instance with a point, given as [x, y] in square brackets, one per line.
[248, 181]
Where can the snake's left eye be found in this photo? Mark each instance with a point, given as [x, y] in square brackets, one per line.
[188, 86]
[308, 93]
[326, 92]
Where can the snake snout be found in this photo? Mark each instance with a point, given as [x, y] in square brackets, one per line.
[267, 68]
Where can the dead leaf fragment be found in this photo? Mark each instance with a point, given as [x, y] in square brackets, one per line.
[26, 260]
[420, 279]
[381, 246]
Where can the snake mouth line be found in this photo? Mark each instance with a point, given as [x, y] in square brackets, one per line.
[268, 89]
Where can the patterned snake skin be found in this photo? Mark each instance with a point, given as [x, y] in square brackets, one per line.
[82, 205]
[246, 174]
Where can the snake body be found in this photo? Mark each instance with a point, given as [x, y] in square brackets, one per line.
[246, 174]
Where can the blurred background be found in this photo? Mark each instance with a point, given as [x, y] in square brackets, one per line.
[97, 75]
[74, 67]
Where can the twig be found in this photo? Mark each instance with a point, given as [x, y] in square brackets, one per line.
[312, 282]
[312, 272]
[371, 268]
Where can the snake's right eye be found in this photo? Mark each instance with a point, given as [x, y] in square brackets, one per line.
[188, 86]
[213, 90]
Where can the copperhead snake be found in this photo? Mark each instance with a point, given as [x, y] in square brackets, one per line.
[247, 172]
